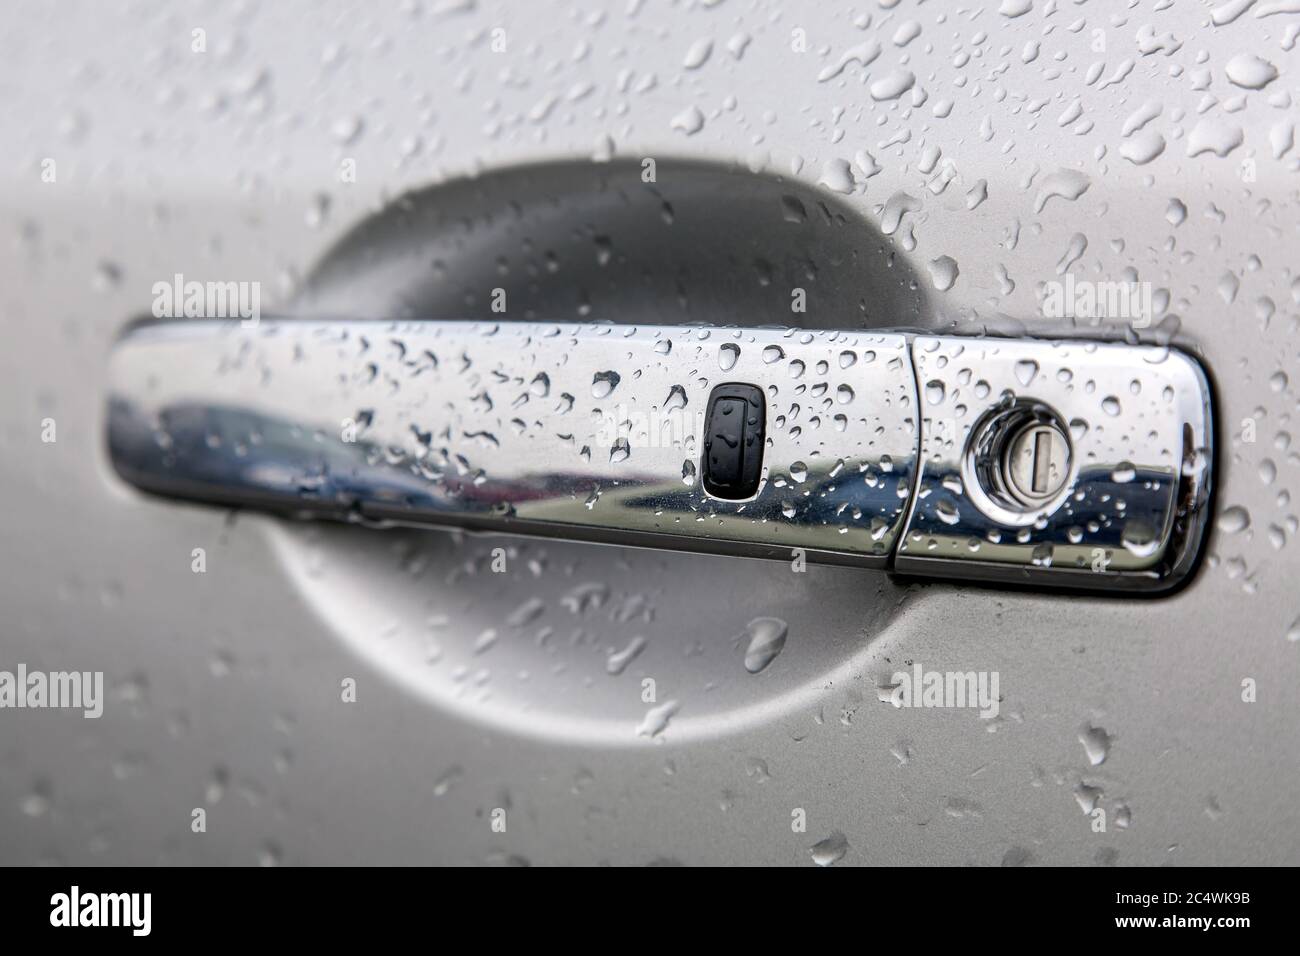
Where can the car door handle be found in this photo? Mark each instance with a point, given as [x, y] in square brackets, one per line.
[1064, 463]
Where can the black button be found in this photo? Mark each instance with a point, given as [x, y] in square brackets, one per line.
[733, 441]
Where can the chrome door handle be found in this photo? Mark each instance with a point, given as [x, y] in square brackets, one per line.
[1058, 463]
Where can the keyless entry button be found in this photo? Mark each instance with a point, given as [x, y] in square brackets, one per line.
[733, 441]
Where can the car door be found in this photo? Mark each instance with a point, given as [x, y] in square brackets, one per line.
[283, 690]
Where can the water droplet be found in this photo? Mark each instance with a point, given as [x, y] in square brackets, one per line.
[896, 207]
[837, 176]
[602, 383]
[946, 511]
[347, 129]
[892, 85]
[1214, 136]
[698, 54]
[766, 640]
[1139, 538]
[1096, 744]
[1250, 72]
[943, 272]
[1067, 183]
[1234, 519]
[1229, 11]
[831, 850]
[1293, 632]
[656, 719]
[1142, 147]
[792, 209]
[1026, 370]
[689, 121]
[271, 854]
[617, 661]
[1228, 285]
[1087, 797]
[907, 31]
[108, 275]
[864, 53]
[526, 613]
[37, 803]
[442, 786]
[485, 641]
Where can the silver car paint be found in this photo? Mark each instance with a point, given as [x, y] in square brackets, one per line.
[224, 688]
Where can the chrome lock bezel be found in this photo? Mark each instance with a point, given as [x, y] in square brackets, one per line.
[987, 469]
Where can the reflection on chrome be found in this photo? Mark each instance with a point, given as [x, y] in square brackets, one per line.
[593, 432]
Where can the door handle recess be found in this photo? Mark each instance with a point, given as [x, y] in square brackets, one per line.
[1061, 463]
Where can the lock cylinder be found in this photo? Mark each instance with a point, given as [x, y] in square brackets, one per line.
[1018, 461]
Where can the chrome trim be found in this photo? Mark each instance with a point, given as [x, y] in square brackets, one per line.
[1132, 513]
[585, 431]
[594, 432]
